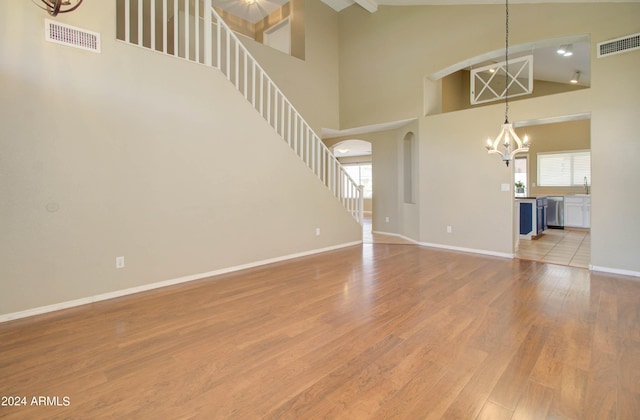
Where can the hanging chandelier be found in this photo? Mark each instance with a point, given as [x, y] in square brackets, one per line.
[54, 7]
[507, 139]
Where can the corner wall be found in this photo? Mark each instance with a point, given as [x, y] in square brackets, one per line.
[132, 153]
[387, 166]
[310, 84]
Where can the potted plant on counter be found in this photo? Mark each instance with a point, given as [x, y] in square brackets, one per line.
[519, 188]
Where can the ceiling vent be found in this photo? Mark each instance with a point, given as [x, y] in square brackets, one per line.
[619, 45]
[71, 36]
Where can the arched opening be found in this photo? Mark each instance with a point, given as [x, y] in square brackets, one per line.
[409, 168]
[552, 73]
[355, 156]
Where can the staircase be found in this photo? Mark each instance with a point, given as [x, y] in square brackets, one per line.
[194, 31]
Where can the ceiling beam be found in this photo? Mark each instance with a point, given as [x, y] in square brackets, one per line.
[369, 5]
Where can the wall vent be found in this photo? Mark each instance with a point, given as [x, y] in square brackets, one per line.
[71, 36]
[619, 45]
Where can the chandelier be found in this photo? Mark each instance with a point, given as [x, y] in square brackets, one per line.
[54, 7]
[507, 138]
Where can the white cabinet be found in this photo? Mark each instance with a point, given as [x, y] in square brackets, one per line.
[577, 211]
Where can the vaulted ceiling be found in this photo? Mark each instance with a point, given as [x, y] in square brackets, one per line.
[548, 65]
[258, 9]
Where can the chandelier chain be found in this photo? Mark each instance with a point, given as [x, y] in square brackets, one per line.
[506, 59]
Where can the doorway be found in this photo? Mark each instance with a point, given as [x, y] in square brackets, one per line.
[556, 144]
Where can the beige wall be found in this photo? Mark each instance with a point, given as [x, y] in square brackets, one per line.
[385, 58]
[131, 153]
[310, 84]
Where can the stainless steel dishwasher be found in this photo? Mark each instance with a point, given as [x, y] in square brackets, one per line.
[555, 212]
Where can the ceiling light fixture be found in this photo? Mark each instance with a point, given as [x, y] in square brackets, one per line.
[576, 78]
[250, 2]
[569, 51]
[507, 134]
[54, 7]
[565, 50]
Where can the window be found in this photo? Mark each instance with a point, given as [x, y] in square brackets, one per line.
[361, 174]
[520, 174]
[565, 169]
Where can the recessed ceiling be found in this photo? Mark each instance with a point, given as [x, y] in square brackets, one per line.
[550, 66]
[253, 12]
[352, 148]
[341, 4]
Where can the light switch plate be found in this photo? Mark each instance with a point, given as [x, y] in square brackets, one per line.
[505, 187]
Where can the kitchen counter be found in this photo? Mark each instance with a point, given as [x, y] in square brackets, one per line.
[531, 215]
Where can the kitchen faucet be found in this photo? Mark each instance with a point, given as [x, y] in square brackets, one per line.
[586, 186]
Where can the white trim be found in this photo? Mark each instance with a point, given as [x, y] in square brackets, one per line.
[614, 271]
[370, 6]
[146, 287]
[329, 133]
[470, 250]
[553, 120]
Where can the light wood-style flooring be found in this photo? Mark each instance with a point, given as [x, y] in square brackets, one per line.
[566, 247]
[371, 237]
[375, 331]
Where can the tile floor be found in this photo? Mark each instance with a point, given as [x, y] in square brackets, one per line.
[565, 247]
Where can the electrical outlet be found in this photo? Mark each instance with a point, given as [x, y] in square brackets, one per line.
[448, 229]
[317, 231]
[386, 219]
[119, 262]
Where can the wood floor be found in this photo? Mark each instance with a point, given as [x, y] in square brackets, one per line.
[373, 331]
[369, 236]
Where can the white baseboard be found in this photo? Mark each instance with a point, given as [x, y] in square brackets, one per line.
[614, 271]
[397, 235]
[470, 250]
[449, 247]
[118, 293]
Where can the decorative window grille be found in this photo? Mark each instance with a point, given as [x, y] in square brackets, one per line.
[489, 84]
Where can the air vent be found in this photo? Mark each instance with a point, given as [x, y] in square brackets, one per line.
[71, 36]
[619, 45]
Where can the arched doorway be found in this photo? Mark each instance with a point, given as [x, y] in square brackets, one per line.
[356, 157]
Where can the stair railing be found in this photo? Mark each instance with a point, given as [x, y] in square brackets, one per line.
[185, 29]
